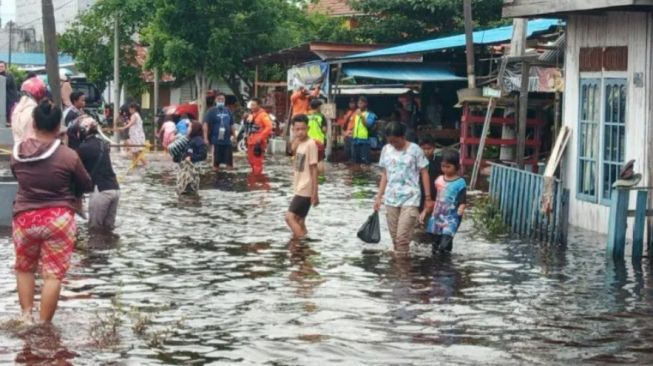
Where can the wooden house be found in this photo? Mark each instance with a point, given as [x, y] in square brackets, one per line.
[608, 103]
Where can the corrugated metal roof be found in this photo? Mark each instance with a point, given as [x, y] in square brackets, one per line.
[33, 59]
[490, 36]
[400, 71]
[332, 8]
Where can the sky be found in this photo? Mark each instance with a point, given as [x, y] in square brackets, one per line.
[8, 10]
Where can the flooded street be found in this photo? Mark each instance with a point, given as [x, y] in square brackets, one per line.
[214, 280]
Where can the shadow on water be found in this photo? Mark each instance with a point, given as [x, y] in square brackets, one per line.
[214, 278]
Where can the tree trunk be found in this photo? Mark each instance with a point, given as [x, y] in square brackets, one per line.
[202, 85]
[233, 81]
[51, 50]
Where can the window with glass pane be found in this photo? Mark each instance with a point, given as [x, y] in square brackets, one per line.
[588, 133]
[614, 133]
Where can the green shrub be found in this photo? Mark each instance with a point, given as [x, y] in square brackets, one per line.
[486, 216]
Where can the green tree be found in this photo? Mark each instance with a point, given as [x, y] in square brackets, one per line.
[208, 40]
[90, 41]
[395, 21]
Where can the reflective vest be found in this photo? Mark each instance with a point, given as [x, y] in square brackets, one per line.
[315, 132]
[360, 126]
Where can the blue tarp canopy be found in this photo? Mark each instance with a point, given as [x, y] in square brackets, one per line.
[27, 59]
[490, 36]
[400, 71]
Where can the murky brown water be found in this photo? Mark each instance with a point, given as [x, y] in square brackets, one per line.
[214, 281]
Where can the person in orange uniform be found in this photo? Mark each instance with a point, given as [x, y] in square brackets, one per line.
[257, 140]
[301, 99]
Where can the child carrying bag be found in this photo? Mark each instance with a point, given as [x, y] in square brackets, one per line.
[370, 232]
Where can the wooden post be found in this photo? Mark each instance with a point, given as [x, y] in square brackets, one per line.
[256, 82]
[523, 115]
[617, 223]
[640, 223]
[481, 145]
[469, 43]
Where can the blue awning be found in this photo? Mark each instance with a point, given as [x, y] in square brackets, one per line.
[27, 59]
[400, 71]
[490, 36]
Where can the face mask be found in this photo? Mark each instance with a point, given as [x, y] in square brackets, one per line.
[221, 105]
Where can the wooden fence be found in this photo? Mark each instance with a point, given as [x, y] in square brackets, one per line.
[618, 221]
[525, 206]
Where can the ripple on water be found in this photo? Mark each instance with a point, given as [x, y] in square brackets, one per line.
[215, 281]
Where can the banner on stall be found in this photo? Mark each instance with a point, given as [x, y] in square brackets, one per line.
[309, 75]
[541, 80]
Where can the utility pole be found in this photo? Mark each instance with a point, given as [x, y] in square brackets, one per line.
[156, 104]
[11, 41]
[116, 78]
[51, 50]
[469, 43]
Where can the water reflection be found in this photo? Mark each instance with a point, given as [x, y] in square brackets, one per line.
[43, 346]
[214, 279]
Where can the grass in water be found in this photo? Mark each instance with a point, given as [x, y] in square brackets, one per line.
[486, 216]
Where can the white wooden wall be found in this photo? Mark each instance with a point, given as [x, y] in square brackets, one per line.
[632, 29]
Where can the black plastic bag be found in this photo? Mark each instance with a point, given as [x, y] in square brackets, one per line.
[370, 232]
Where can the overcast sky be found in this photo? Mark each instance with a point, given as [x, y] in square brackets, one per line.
[7, 11]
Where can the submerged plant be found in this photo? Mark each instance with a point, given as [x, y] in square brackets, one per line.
[486, 216]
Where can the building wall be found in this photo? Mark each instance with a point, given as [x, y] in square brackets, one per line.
[28, 14]
[632, 29]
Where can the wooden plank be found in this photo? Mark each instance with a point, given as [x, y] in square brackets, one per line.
[564, 216]
[481, 143]
[640, 221]
[525, 197]
[617, 223]
[520, 201]
[558, 151]
[528, 8]
[523, 112]
[532, 204]
[515, 201]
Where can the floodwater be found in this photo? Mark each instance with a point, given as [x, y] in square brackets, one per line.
[214, 280]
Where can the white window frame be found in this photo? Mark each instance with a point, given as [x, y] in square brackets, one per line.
[600, 149]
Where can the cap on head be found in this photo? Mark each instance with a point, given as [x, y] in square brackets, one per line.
[35, 87]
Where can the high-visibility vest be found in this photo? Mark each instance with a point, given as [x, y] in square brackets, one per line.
[315, 127]
[360, 126]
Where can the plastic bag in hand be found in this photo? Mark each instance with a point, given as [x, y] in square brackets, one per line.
[370, 232]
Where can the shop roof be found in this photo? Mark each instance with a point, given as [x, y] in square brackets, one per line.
[32, 59]
[401, 71]
[333, 8]
[485, 37]
[312, 51]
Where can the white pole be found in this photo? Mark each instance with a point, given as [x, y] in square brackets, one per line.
[116, 79]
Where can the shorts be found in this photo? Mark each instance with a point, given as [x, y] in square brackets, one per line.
[48, 235]
[223, 154]
[300, 206]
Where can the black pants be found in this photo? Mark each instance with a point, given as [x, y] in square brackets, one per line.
[223, 154]
[442, 243]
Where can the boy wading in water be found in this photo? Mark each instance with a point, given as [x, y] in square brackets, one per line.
[305, 181]
[404, 166]
[449, 205]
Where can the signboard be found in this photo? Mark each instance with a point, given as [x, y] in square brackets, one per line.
[541, 80]
[329, 110]
[309, 75]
